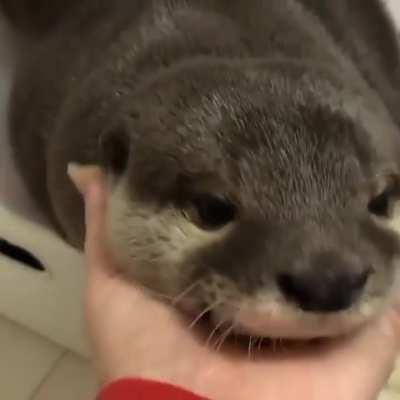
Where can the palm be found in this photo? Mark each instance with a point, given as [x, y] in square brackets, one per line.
[142, 337]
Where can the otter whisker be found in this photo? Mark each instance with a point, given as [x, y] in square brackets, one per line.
[224, 336]
[214, 331]
[146, 289]
[153, 293]
[202, 314]
[260, 343]
[250, 347]
[281, 344]
[181, 296]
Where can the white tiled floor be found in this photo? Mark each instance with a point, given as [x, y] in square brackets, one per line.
[71, 378]
[395, 380]
[32, 368]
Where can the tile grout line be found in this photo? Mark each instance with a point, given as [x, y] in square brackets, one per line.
[53, 367]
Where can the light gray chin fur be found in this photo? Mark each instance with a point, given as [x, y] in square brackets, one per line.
[153, 246]
[269, 315]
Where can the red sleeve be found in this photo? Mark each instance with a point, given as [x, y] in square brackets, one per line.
[137, 389]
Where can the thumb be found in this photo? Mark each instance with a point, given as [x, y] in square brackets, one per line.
[83, 176]
[90, 182]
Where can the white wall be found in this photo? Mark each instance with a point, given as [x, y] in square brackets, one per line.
[394, 6]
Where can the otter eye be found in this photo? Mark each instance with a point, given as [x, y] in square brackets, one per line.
[210, 212]
[380, 205]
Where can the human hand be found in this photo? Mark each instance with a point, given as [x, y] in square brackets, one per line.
[134, 335]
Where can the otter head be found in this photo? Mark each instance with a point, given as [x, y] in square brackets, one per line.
[256, 192]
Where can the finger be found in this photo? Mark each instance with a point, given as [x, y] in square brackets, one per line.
[95, 217]
[90, 181]
[83, 176]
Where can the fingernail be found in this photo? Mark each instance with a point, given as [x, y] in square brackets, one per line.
[73, 172]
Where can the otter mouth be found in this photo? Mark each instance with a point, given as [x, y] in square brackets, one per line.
[301, 329]
[254, 333]
[226, 336]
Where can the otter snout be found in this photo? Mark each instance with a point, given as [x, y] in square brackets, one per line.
[329, 284]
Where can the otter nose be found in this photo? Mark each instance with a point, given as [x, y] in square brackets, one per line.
[328, 290]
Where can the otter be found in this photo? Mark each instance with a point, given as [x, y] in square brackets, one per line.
[252, 149]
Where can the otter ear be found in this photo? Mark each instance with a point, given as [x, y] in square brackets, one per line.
[114, 149]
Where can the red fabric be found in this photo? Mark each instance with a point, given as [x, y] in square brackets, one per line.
[136, 389]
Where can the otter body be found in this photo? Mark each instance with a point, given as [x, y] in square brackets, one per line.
[252, 146]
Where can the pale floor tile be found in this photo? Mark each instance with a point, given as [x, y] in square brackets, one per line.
[394, 382]
[72, 378]
[389, 395]
[25, 359]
